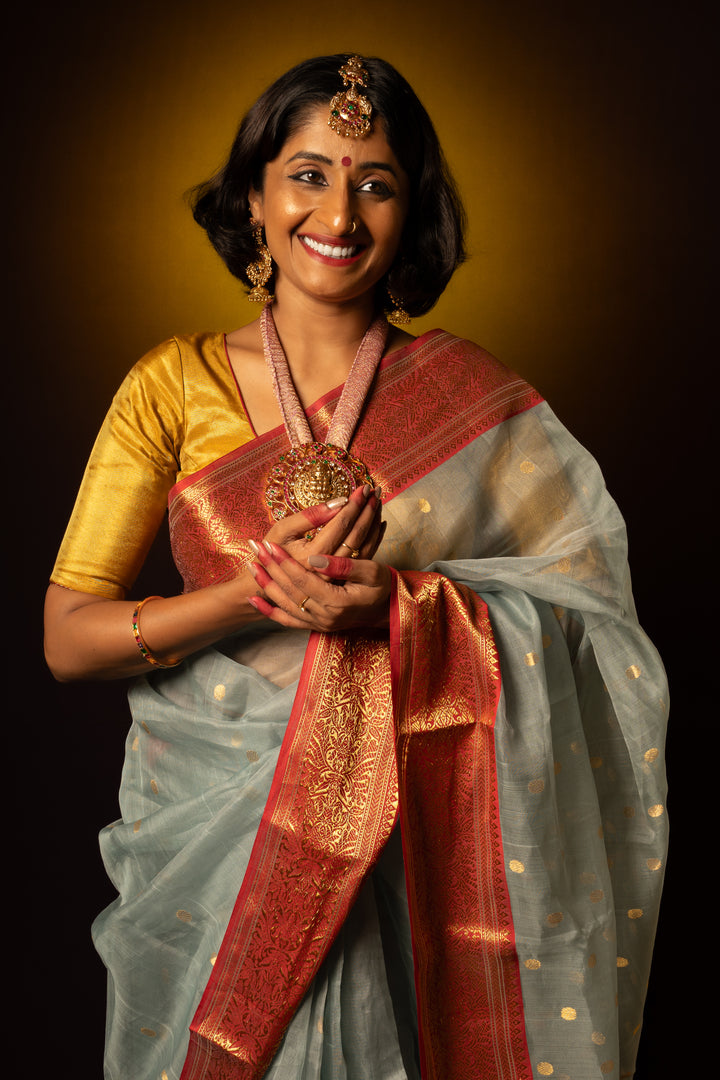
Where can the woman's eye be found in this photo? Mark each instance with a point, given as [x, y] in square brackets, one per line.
[309, 176]
[375, 187]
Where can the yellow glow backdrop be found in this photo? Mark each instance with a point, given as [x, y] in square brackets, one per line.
[543, 120]
[578, 132]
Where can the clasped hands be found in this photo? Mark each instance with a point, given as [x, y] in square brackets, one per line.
[329, 582]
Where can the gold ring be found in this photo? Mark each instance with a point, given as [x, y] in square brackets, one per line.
[354, 552]
[302, 606]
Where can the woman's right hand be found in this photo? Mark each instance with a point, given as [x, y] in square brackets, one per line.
[354, 528]
[90, 637]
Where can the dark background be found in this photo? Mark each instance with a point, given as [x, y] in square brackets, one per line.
[581, 136]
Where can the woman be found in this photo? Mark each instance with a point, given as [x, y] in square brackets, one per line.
[406, 601]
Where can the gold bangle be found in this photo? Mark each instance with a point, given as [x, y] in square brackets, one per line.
[146, 653]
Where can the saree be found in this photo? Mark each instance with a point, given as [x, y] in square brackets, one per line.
[433, 852]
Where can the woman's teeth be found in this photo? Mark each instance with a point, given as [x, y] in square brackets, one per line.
[329, 250]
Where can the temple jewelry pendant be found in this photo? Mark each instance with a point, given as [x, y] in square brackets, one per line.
[311, 474]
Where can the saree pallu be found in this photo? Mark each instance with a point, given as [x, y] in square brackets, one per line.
[512, 720]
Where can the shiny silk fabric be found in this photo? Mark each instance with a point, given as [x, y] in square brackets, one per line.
[515, 716]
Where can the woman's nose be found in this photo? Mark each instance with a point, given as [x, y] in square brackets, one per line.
[337, 210]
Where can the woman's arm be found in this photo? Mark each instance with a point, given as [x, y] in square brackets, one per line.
[91, 637]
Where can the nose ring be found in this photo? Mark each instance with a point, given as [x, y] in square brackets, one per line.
[352, 227]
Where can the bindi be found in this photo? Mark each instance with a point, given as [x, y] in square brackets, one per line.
[346, 161]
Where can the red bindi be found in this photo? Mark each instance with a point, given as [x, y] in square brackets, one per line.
[347, 161]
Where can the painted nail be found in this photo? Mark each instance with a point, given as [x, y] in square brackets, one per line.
[268, 546]
[366, 490]
[252, 569]
[254, 546]
[335, 504]
[320, 561]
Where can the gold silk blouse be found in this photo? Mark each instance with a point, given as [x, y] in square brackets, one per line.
[178, 410]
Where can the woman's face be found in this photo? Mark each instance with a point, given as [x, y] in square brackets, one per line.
[320, 183]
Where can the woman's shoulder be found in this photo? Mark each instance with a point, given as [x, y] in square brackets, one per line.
[460, 359]
[181, 354]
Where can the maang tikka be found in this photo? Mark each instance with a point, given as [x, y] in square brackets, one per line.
[350, 112]
[260, 272]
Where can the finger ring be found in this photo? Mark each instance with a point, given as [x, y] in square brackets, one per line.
[354, 552]
[302, 606]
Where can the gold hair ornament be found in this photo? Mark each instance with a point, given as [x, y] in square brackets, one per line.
[350, 112]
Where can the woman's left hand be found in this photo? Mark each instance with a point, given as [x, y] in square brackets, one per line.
[334, 594]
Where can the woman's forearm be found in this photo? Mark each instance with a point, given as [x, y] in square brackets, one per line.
[89, 637]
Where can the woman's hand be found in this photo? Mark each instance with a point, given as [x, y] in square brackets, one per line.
[341, 527]
[334, 593]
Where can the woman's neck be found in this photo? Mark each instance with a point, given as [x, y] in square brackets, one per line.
[325, 334]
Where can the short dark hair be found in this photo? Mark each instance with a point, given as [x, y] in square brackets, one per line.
[432, 245]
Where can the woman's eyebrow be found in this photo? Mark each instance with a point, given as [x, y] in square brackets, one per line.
[311, 155]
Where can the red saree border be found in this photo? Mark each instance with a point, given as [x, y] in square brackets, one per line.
[332, 806]
[446, 688]
[324, 402]
[429, 402]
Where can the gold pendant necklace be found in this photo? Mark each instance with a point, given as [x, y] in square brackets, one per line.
[312, 472]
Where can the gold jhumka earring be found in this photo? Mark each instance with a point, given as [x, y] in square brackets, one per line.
[260, 272]
[397, 316]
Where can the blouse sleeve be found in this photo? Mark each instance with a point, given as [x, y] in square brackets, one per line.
[132, 467]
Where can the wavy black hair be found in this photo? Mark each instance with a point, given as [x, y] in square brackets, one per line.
[432, 245]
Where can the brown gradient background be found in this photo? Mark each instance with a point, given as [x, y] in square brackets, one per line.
[578, 134]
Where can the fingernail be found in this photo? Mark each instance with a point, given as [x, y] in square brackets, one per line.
[268, 546]
[378, 492]
[320, 561]
[366, 490]
[254, 546]
[253, 601]
[252, 568]
[335, 504]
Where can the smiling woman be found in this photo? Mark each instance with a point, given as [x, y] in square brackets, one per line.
[393, 802]
[333, 230]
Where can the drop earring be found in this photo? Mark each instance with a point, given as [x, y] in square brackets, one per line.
[397, 316]
[260, 272]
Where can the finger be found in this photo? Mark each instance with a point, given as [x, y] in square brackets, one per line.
[278, 615]
[333, 566]
[313, 517]
[337, 529]
[361, 540]
[285, 582]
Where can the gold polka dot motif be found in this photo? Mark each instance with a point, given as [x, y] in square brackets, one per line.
[533, 964]
[424, 506]
[219, 692]
[568, 1013]
[517, 867]
[545, 1068]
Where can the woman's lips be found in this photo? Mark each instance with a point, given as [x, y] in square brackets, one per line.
[331, 250]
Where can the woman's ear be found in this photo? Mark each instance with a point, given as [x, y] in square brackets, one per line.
[256, 205]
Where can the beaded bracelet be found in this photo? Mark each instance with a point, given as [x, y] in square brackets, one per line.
[146, 653]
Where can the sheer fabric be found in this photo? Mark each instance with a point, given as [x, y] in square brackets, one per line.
[517, 513]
